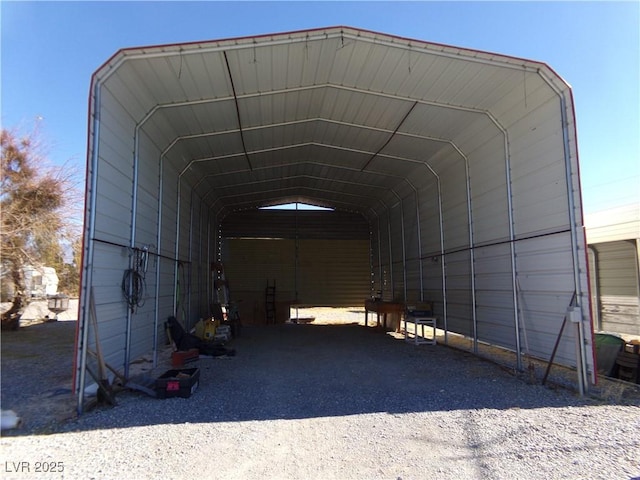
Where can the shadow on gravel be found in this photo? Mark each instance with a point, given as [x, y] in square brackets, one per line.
[307, 371]
[281, 372]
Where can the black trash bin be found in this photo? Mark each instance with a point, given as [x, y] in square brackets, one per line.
[607, 348]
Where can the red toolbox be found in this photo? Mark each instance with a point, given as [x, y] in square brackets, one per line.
[178, 359]
[178, 383]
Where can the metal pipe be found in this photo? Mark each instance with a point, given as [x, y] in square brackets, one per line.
[204, 253]
[371, 264]
[443, 263]
[176, 249]
[581, 363]
[581, 354]
[190, 255]
[156, 315]
[404, 247]
[471, 255]
[132, 244]
[418, 228]
[380, 259]
[393, 291]
[87, 266]
[442, 252]
[208, 262]
[512, 248]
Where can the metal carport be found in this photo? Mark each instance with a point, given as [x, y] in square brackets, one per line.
[463, 163]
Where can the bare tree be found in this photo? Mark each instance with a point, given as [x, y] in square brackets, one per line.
[34, 200]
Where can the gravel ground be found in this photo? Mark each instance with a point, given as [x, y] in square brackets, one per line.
[341, 402]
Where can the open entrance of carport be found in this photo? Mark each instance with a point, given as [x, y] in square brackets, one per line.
[453, 171]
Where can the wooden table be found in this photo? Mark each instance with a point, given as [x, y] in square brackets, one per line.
[381, 307]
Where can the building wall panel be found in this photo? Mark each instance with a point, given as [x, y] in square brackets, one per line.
[617, 275]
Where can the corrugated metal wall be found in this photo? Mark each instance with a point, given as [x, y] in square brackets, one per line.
[316, 258]
[468, 197]
[614, 284]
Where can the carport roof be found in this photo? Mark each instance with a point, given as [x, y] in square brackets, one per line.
[338, 117]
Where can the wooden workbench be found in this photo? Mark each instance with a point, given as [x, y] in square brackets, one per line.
[382, 307]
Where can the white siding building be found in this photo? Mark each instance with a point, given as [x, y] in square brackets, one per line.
[613, 237]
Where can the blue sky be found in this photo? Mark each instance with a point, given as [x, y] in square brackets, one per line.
[50, 49]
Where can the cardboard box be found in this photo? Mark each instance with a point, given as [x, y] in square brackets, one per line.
[178, 383]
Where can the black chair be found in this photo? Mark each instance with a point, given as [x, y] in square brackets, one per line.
[184, 341]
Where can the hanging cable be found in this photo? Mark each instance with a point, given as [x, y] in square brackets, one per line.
[133, 281]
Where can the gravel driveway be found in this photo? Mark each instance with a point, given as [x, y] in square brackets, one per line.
[341, 402]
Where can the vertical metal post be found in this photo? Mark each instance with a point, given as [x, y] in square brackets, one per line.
[156, 319]
[419, 234]
[87, 264]
[512, 251]
[443, 260]
[404, 249]
[580, 353]
[190, 256]
[380, 280]
[581, 363]
[393, 293]
[132, 244]
[471, 255]
[637, 250]
[176, 250]
[442, 252]
[209, 261]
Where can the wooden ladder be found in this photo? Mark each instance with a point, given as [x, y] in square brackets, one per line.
[270, 303]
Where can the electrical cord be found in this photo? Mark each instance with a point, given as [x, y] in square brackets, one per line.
[133, 282]
[133, 288]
